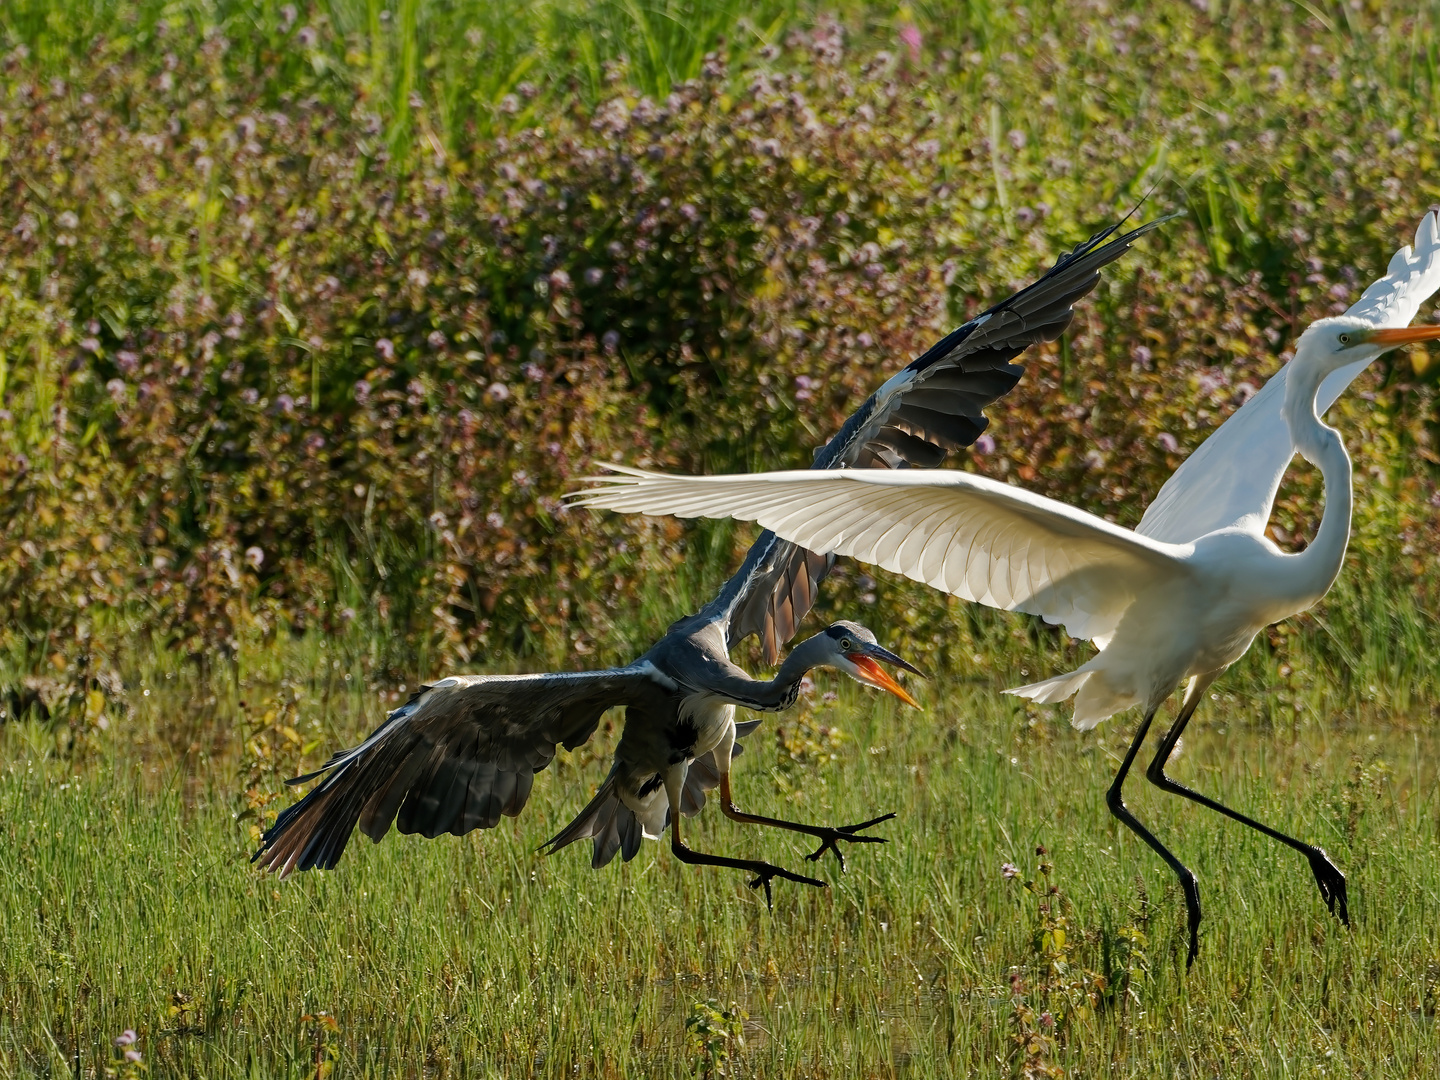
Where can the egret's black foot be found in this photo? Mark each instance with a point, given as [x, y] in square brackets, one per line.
[1331, 882]
[766, 871]
[1191, 888]
[829, 838]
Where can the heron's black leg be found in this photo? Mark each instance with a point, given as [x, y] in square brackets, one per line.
[764, 872]
[1327, 875]
[829, 836]
[1115, 800]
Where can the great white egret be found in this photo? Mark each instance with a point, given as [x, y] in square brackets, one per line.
[464, 751]
[1181, 597]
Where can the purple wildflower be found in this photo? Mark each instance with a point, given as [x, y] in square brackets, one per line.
[910, 38]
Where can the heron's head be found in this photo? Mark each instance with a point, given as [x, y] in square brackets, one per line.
[851, 648]
[1329, 344]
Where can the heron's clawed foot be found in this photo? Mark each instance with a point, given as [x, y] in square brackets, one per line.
[830, 838]
[765, 872]
[1331, 882]
[1191, 888]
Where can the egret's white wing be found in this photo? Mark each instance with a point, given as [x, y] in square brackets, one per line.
[964, 534]
[1232, 479]
[933, 406]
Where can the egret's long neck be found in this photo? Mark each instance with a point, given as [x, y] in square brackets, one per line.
[1317, 566]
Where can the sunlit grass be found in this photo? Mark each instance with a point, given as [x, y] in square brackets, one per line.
[127, 900]
[126, 897]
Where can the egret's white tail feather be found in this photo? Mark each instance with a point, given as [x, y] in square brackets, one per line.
[1049, 691]
[1095, 699]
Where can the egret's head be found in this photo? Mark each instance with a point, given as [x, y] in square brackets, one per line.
[1333, 343]
[852, 649]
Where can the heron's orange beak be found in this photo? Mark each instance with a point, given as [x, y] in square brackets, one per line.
[873, 674]
[1404, 335]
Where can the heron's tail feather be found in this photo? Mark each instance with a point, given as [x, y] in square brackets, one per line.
[616, 829]
[609, 822]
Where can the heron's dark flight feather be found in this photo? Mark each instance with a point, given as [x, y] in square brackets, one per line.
[932, 407]
[455, 757]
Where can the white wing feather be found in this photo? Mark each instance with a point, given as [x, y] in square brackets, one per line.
[963, 534]
[1232, 478]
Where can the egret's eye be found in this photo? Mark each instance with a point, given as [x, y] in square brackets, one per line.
[1344, 339]
[845, 645]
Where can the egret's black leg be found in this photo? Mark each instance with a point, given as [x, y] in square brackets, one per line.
[829, 836]
[1115, 800]
[1327, 874]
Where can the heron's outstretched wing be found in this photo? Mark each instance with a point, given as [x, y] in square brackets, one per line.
[1232, 478]
[453, 758]
[935, 405]
[964, 534]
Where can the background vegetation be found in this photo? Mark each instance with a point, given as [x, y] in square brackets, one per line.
[308, 315]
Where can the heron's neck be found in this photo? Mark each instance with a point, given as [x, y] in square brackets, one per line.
[773, 695]
[1318, 565]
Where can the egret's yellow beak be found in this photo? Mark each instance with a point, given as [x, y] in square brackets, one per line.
[1403, 335]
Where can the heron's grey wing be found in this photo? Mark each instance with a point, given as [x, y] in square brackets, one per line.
[455, 757]
[935, 405]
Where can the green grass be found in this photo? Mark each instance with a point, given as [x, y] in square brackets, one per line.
[462, 57]
[126, 898]
[126, 901]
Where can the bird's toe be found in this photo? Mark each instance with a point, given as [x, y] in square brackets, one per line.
[1331, 882]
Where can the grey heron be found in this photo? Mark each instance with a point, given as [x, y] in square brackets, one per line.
[463, 751]
[1181, 597]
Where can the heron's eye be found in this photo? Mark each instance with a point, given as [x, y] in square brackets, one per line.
[845, 645]
[1344, 339]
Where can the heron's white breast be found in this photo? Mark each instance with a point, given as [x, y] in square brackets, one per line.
[712, 717]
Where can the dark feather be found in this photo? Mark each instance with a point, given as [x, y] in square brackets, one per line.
[933, 407]
[455, 757]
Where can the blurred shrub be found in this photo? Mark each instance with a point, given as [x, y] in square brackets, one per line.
[257, 377]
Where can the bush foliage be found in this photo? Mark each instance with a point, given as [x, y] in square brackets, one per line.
[260, 372]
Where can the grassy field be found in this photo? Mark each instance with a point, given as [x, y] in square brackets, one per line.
[126, 900]
[289, 295]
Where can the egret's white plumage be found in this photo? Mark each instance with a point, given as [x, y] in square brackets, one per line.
[1208, 491]
[1182, 596]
